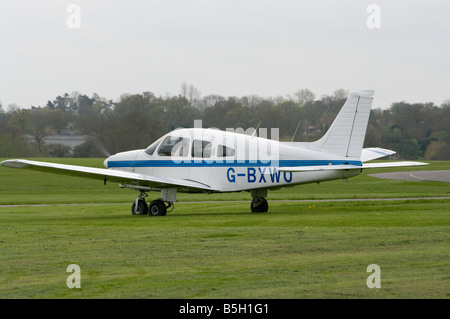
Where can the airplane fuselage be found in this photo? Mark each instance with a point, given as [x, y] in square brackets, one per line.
[252, 162]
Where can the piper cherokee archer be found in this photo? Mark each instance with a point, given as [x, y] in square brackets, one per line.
[197, 160]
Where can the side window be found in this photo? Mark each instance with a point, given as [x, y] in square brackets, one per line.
[174, 146]
[224, 151]
[201, 149]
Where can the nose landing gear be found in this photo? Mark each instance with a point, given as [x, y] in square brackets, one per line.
[139, 206]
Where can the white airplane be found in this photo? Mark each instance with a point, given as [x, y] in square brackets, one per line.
[211, 161]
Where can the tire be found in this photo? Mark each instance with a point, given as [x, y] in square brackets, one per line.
[157, 208]
[259, 205]
[141, 209]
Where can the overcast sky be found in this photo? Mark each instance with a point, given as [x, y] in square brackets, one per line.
[225, 47]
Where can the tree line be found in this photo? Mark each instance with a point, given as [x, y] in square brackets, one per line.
[415, 131]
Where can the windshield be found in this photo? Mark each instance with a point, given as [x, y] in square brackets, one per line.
[151, 149]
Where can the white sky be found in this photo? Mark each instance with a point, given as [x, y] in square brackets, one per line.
[225, 47]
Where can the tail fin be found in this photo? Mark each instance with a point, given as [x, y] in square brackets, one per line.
[345, 137]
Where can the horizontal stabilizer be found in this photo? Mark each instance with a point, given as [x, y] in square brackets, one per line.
[345, 167]
[372, 153]
[393, 164]
[318, 168]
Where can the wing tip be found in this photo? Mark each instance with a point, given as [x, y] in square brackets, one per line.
[14, 163]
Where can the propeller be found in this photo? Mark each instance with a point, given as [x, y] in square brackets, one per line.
[97, 147]
[102, 149]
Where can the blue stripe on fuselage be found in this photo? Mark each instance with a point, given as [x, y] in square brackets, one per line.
[235, 163]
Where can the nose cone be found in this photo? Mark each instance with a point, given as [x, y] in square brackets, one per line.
[122, 160]
[105, 163]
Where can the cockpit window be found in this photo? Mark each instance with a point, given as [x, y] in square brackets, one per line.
[174, 146]
[151, 149]
[201, 149]
[224, 151]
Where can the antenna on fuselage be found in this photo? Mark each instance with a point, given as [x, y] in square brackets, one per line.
[298, 125]
[256, 129]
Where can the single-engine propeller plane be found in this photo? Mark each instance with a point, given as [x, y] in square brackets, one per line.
[211, 161]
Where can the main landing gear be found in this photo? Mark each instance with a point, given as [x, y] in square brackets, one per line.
[161, 206]
[157, 207]
[259, 203]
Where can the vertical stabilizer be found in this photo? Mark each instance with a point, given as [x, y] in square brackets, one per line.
[345, 137]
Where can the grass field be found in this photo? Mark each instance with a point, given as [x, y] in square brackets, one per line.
[310, 249]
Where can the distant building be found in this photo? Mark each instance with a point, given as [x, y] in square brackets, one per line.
[66, 137]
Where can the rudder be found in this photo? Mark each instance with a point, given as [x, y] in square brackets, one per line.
[345, 137]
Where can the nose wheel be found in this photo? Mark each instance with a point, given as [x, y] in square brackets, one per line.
[139, 207]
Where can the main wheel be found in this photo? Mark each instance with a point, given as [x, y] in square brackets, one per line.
[157, 208]
[259, 205]
[140, 209]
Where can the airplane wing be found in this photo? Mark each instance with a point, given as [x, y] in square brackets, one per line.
[345, 167]
[106, 174]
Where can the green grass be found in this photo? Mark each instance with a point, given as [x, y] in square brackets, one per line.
[219, 250]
